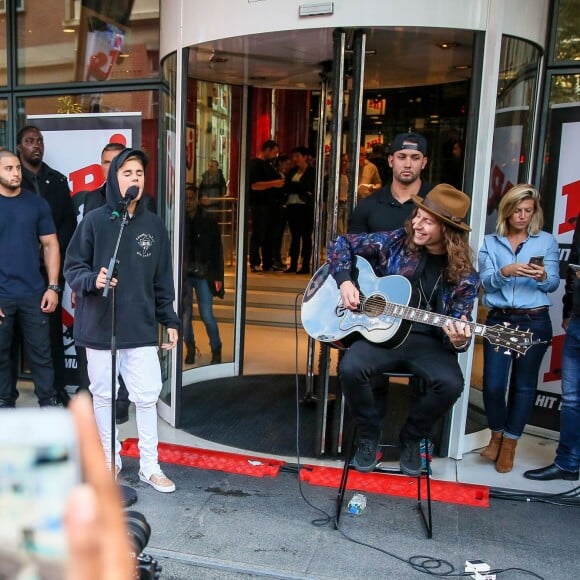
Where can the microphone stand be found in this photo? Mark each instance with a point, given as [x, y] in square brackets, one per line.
[128, 494]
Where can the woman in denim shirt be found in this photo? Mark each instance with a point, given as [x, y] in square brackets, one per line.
[516, 291]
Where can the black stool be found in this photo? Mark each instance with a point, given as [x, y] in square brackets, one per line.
[426, 517]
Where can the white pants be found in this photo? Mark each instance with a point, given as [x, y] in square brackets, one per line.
[141, 372]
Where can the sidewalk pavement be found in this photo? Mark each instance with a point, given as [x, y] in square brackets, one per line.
[223, 526]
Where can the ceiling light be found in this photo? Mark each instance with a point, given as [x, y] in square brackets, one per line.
[68, 30]
[446, 45]
[462, 67]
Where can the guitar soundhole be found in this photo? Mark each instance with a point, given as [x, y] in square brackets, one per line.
[374, 305]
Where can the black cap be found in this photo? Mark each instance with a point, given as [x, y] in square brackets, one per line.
[409, 141]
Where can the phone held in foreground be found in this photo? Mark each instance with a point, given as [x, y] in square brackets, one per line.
[574, 267]
[537, 261]
[38, 469]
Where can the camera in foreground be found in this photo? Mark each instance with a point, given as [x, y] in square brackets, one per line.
[140, 531]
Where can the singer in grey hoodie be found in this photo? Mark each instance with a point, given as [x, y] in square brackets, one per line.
[144, 294]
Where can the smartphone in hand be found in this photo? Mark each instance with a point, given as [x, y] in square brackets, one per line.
[38, 469]
[536, 261]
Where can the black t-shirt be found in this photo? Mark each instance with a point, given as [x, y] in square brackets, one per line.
[428, 287]
[261, 170]
[381, 212]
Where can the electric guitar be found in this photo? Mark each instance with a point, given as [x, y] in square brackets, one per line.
[384, 314]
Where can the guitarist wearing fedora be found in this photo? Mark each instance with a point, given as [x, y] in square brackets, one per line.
[432, 251]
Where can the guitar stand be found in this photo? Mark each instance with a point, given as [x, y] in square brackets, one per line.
[426, 515]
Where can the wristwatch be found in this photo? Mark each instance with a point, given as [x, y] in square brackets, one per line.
[54, 287]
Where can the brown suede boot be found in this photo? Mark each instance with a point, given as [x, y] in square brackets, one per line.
[492, 450]
[505, 460]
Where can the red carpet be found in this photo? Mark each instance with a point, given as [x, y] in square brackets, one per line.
[381, 483]
[212, 460]
[398, 485]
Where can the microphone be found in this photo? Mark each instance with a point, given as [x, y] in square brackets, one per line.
[131, 193]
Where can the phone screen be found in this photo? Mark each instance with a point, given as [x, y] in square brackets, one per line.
[35, 481]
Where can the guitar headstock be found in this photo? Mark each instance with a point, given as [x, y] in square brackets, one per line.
[508, 337]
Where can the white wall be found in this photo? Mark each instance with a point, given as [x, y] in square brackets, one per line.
[190, 22]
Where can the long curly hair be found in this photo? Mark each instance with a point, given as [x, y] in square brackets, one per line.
[460, 256]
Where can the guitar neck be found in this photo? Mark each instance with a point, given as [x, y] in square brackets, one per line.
[426, 317]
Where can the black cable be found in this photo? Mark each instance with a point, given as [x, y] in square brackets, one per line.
[438, 567]
[327, 518]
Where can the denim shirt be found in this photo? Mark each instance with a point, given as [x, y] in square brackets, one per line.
[517, 291]
[389, 254]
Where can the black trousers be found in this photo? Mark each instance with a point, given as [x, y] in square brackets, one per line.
[34, 325]
[423, 355]
[301, 223]
[57, 347]
[262, 238]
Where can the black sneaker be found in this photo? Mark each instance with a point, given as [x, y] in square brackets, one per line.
[410, 460]
[365, 458]
[63, 397]
[6, 404]
[52, 402]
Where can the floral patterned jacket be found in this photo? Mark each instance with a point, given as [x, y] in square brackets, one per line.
[389, 255]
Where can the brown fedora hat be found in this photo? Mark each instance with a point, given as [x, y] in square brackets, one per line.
[447, 203]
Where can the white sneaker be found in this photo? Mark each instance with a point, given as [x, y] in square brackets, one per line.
[159, 482]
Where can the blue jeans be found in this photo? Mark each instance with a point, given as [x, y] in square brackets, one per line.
[34, 325]
[205, 304]
[568, 452]
[511, 416]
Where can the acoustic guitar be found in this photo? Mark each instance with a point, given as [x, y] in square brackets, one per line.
[384, 314]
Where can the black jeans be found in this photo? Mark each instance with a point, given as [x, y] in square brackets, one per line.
[34, 326]
[301, 223]
[262, 237]
[424, 356]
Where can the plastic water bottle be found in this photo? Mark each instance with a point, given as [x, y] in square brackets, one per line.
[357, 504]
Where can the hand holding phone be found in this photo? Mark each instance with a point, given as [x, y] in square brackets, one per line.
[38, 470]
[536, 261]
[574, 267]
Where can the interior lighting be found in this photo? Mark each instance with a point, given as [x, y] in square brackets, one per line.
[446, 45]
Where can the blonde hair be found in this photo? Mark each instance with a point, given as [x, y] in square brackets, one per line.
[509, 203]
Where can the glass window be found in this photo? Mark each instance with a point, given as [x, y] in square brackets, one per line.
[77, 127]
[3, 49]
[514, 119]
[167, 202]
[567, 39]
[3, 123]
[561, 201]
[64, 41]
[211, 205]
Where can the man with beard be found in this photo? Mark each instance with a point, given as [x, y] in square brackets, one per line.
[25, 221]
[48, 183]
[389, 207]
